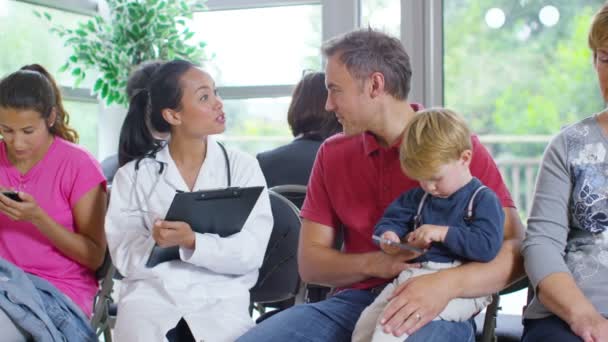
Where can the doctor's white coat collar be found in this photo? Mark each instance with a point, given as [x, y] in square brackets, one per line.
[212, 171]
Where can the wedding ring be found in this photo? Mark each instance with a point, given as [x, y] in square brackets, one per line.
[418, 317]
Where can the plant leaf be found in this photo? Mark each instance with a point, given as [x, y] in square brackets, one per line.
[140, 30]
[104, 91]
[98, 85]
[64, 67]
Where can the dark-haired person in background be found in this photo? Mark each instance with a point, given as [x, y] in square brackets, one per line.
[54, 234]
[205, 294]
[310, 124]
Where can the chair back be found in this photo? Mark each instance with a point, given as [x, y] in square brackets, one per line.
[101, 317]
[296, 193]
[491, 318]
[278, 279]
[109, 166]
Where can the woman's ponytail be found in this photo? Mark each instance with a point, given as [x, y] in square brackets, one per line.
[136, 141]
[157, 87]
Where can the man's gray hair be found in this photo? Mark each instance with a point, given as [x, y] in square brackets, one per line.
[366, 51]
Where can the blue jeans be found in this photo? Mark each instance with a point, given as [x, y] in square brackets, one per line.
[334, 319]
[39, 309]
[74, 326]
[550, 328]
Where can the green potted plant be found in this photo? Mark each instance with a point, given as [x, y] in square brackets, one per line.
[133, 32]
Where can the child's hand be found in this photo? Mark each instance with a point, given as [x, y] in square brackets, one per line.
[388, 249]
[426, 234]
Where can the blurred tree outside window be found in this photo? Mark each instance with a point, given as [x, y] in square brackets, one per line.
[519, 67]
[264, 120]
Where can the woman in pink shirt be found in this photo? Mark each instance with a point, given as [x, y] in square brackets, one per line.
[55, 229]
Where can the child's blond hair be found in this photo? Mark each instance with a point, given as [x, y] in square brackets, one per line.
[598, 33]
[434, 137]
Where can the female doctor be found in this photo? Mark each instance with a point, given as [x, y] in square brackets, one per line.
[205, 294]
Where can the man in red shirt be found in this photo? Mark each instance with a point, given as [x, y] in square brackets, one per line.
[355, 177]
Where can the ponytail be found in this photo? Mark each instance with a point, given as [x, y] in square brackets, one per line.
[136, 141]
[61, 127]
[162, 90]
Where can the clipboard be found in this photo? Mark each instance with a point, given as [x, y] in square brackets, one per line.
[218, 211]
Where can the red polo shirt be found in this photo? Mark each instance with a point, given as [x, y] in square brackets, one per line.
[354, 179]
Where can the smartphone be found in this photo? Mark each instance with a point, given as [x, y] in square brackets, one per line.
[12, 195]
[402, 246]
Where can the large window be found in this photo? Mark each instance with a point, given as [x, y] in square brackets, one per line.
[519, 71]
[25, 39]
[261, 51]
[519, 67]
[258, 55]
[256, 125]
[83, 118]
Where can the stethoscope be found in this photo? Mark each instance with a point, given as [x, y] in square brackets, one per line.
[141, 206]
[161, 164]
[152, 155]
[161, 167]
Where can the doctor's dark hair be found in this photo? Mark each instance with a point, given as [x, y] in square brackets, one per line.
[33, 88]
[140, 77]
[162, 91]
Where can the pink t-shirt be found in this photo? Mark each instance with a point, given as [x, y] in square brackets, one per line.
[57, 182]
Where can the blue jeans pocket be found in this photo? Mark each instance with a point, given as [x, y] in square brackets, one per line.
[71, 325]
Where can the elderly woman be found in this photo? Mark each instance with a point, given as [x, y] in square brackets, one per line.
[566, 245]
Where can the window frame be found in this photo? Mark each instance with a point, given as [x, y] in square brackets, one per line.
[417, 16]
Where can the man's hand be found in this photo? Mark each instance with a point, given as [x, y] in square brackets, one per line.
[386, 266]
[173, 233]
[591, 329]
[390, 249]
[426, 234]
[415, 303]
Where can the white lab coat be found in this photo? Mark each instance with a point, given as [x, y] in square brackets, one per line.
[209, 286]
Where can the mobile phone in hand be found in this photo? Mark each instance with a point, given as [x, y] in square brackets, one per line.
[401, 246]
[12, 195]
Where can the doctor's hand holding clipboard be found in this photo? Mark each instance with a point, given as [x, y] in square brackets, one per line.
[173, 233]
[222, 212]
